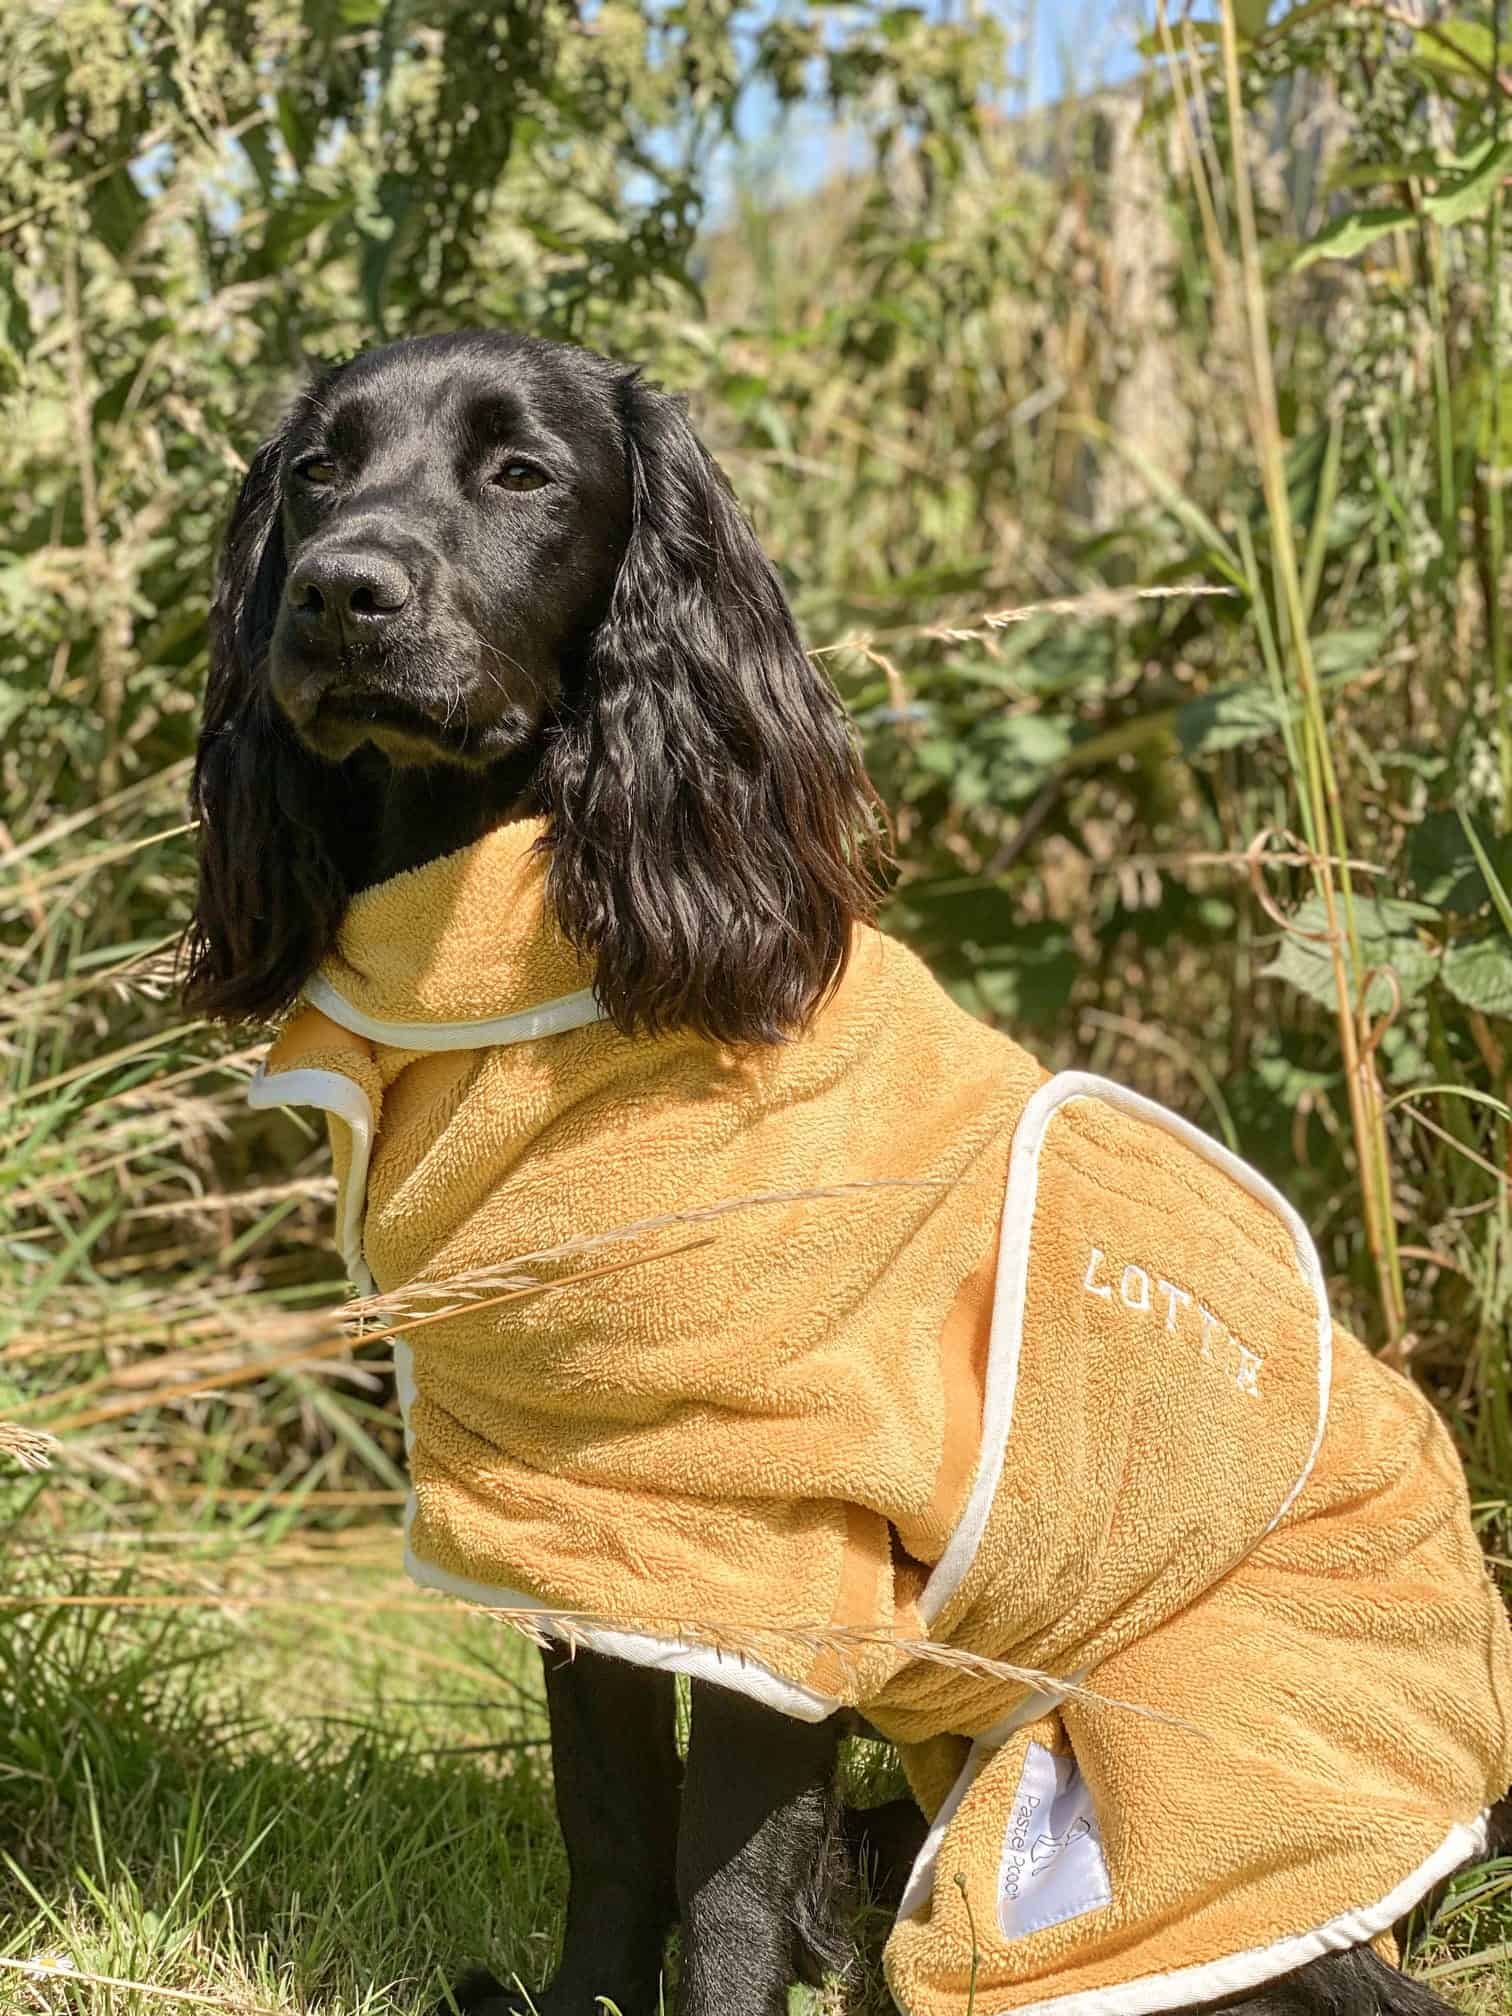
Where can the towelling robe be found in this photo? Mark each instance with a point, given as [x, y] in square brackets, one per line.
[1061, 1391]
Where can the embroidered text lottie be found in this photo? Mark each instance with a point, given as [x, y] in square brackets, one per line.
[1134, 1291]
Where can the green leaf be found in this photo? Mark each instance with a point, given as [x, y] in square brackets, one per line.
[1478, 972]
[258, 149]
[1227, 718]
[1442, 866]
[1389, 937]
[1341, 654]
[950, 913]
[1248, 711]
[1124, 738]
[1288, 1081]
[1021, 752]
[1249, 17]
[117, 210]
[1371, 174]
[297, 130]
[1351, 233]
[1403, 1057]
[1462, 48]
[967, 928]
[1030, 978]
[15, 317]
[290, 224]
[379, 250]
[1457, 200]
[1059, 658]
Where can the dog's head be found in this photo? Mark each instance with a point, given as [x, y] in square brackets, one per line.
[491, 554]
[448, 521]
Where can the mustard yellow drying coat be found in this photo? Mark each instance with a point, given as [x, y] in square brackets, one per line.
[1060, 1388]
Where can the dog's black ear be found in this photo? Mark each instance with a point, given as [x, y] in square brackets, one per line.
[714, 836]
[270, 891]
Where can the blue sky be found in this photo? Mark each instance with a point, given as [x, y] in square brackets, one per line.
[1060, 47]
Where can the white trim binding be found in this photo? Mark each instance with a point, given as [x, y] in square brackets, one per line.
[1006, 1335]
[548, 1018]
[1211, 1979]
[1208, 1980]
[334, 1093]
[737, 1672]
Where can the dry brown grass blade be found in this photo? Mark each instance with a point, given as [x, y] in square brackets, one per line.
[312, 1353]
[219, 1320]
[220, 1599]
[735, 1641]
[32, 1448]
[207, 1317]
[96, 1066]
[460, 1286]
[148, 973]
[327, 1499]
[1257, 858]
[174, 774]
[1197, 857]
[1099, 603]
[64, 1972]
[1415, 1113]
[104, 857]
[154, 1093]
[314, 1189]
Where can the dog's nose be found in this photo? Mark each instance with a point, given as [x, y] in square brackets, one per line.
[347, 590]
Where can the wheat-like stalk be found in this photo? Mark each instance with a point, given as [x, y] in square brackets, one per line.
[1098, 603]
[743, 1642]
[32, 1448]
[575, 1629]
[464, 1288]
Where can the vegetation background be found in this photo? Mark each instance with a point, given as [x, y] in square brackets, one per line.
[1138, 465]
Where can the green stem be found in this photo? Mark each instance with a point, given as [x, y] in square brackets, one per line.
[1321, 780]
[1433, 252]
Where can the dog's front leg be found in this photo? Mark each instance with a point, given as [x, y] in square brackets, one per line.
[614, 1762]
[755, 1852]
[615, 1767]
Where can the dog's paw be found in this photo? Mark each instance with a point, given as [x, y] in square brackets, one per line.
[478, 1993]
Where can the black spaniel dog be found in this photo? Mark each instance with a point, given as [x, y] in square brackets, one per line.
[478, 574]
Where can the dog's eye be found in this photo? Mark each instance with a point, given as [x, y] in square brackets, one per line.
[317, 470]
[518, 475]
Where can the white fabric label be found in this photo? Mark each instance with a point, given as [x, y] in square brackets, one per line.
[1053, 1867]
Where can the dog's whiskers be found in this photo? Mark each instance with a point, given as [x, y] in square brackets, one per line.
[504, 657]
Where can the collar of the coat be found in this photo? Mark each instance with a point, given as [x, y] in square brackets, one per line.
[459, 953]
